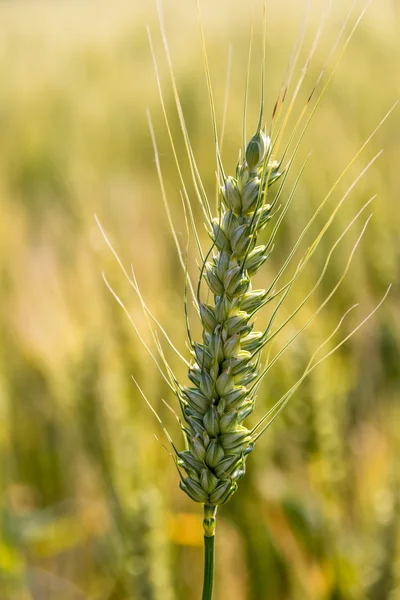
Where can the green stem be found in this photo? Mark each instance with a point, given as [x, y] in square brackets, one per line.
[209, 522]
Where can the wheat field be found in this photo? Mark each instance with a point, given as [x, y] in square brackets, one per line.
[90, 506]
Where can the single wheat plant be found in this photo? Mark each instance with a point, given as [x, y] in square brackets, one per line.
[226, 365]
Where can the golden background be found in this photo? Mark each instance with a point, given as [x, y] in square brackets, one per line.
[89, 501]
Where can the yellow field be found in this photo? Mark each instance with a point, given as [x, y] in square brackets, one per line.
[89, 501]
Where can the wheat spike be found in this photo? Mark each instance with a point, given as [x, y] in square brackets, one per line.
[226, 361]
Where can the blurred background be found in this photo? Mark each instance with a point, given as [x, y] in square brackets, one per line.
[89, 501]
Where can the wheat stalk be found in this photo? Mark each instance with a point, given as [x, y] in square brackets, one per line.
[225, 369]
